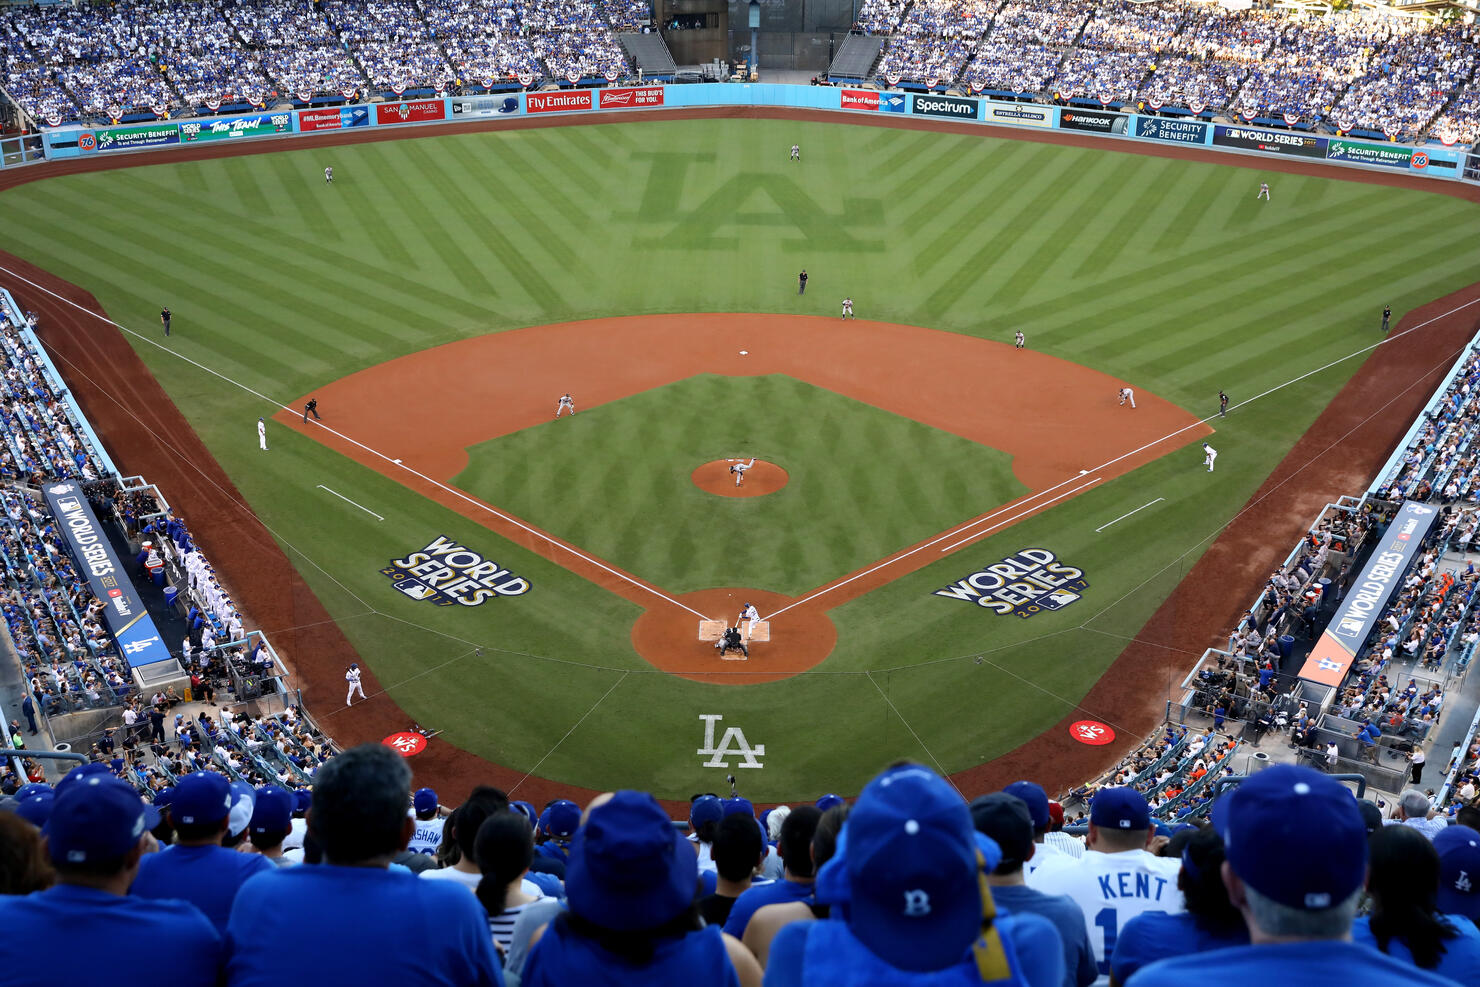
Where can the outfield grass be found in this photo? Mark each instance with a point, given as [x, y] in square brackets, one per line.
[1166, 273]
[862, 482]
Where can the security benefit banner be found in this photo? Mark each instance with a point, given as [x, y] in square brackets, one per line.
[1270, 141]
[1334, 653]
[1027, 583]
[123, 610]
[1171, 129]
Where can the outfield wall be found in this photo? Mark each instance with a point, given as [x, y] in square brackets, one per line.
[1434, 162]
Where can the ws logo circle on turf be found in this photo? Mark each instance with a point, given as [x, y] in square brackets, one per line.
[448, 574]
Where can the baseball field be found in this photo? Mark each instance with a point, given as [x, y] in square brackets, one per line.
[534, 588]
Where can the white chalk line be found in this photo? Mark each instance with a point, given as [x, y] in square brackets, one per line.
[940, 768]
[360, 445]
[1170, 435]
[1124, 516]
[1021, 514]
[348, 501]
[574, 726]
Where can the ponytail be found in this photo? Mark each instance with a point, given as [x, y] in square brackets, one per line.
[1403, 882]
[504, 849]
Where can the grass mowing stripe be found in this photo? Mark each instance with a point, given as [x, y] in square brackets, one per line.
[306, 196]
[548, 147]
[522, 211]
[958, 223]
[413, 166]
[981, 183]
[1015, 284]
[192, 177]
[1187, 218]
[1046, 173]
[242, 175]
[928, 171]
[1109, 246]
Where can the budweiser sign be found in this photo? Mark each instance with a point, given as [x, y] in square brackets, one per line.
[621, 99]
[559, 102]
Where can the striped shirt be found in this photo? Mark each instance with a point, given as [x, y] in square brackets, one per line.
[502, 925]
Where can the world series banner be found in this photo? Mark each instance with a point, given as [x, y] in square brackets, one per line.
[123, 610]
[1334, 653]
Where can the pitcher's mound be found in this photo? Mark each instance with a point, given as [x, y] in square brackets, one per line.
[762, 478]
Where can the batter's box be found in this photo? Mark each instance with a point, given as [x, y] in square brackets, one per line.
[710, 630]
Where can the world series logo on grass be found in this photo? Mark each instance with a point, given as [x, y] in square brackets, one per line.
[449, 574]
[1024, 584]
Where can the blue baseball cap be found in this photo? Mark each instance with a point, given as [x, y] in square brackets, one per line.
[1295, 836]
[737, 807]
[97, 819]
[527, 811]
[36, 807]
[629, 868]
[302, 800]
[272, 812]
[201, 797]
[705, 809]
[1459, 871]
[164, 797]
[561, 818]
[908, 868]
[81, 772]
[243, 797]
[830, 801]
[1120, 808]
[1035, 798]
[425, 800]
[34, 788]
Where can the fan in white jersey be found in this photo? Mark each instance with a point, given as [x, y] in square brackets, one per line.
[429, 822]
[1117, 879]
[1045, 855]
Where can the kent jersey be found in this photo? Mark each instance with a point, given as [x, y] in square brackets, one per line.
[428, 835]
[1111, 889]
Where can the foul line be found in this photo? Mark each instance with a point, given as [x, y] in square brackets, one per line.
[1021, 514]
[348, 501]
[1124, 516]
[1170, 435]
[574, 726]
[938, 766]
[358, 444]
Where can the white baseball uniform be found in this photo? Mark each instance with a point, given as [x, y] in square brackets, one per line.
[565, 404]
[1111, 889]
[1019, 339]
[428, 835]
[847, 308]
[352, 676]
[1210, 454]
[329, 175]
[753, 615]
[739, 470]
[1128, 396]
[262, 433]
[796, 152]
[1263, 191]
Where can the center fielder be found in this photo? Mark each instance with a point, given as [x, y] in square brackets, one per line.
[1263, 192]
[352, 676]
[565, 404]
[739, 470]
[1127, 396]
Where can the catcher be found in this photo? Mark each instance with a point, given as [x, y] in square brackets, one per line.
[731, 640]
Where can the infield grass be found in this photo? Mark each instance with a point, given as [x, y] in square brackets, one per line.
[1166, 273]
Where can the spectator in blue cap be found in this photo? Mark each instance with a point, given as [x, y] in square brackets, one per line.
[705, 812]
[24, 866]
[1046, 856]
[830, 801]
[557, 825]
[1296, 851]
[798, 877]
[352, 920]
[1459, 864]
[1007, 820]
[95, 837]
[1117, 878]
[1210, 921]
[198, 869]
[427, 811]
[1404, 920]
[633, 918]
[772, 869]
[272, 818]
[910, 876]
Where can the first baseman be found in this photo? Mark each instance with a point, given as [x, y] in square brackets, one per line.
[565, 404]
[1127, 396]
[1209, 454]
[739, 468]
[352, 676]
[262, 434]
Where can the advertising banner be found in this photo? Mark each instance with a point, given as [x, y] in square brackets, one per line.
[128, 138]
[1436, 161]
[484, 106]
[1173, 130]
[1274, 141]
[1334, 653]
[230, 128]
[860, 99]
[626, 99]
[333, 118]
[124, 612]
[558, 102]
[1387, 155]
[952, 107]
[411, 111]
[1020, 114]
[1094, 121]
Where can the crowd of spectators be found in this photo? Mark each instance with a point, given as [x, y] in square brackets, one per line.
[65, 61]
[1440, 458]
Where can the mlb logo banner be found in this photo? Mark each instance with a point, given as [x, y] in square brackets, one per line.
[447, 574]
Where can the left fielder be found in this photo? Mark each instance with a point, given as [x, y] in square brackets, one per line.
[1127, 396]
[751, 614]
[739, 468]
[565, 404]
